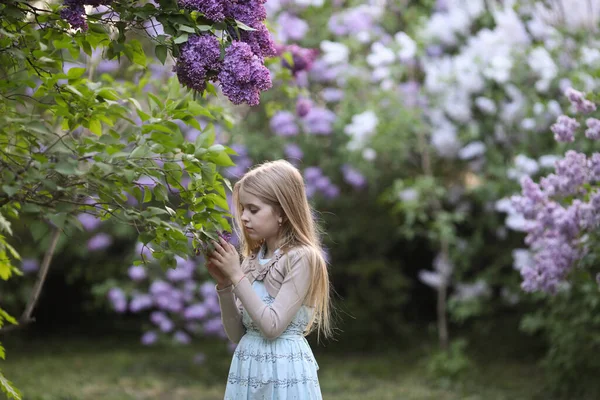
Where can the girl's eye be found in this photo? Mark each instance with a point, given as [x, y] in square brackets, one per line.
[253, 211]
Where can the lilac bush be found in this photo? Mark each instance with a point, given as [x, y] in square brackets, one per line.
[562, 212]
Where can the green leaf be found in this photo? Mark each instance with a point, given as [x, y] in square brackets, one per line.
[10, 190]
[243, 26]
[8, 388]
[75, 73]
[181, 39]
[188, 29]
[161, 53]
[95, 127]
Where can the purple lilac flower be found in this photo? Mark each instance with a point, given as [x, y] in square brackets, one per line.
[593, 131]
[564, 129]
[213, 326]
[212, 9]
[29, 265]
[311, 174]
[260, 41]
[571, 173]
[118, 299]
[579, 101]
[594, 167]
[143, 250]
[293, 151]
[291, 27]
[332, 191]
[149, 338]
[137, 273]
[303, 106]
[183, 271]
[302, 58]
[195, 311]
[160, 287]
[157, 317]
[99, 242]
[199, 359]
[89, 221]
[283, 123]
[182, 337]
[319, 121]
[74, 11]
[243, 75]
[249, 11]
[332, 95]
[353, 177]
[140, 302]
[199, 60]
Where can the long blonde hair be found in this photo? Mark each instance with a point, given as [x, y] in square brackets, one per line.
[280, 184]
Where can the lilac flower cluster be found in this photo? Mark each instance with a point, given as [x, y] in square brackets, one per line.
[199, 60]
[74, 11]
[212, 9]
[243, 75]
[579, 101]
[564, 129]
[302, 58]
[179, 306]
[556, 227]
[317, 182]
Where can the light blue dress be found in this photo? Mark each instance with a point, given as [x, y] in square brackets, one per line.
[280, 369]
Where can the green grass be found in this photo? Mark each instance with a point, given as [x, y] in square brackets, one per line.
[121, 369]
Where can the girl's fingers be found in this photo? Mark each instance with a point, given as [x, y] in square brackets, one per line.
[219, 248]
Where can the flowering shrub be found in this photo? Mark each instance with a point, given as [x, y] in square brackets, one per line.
[562, 212]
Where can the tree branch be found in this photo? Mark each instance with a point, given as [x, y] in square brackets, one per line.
[37, 288]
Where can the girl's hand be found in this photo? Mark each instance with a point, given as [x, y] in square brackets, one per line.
[222, 280]
[227, 260]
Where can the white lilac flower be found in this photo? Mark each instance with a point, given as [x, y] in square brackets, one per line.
[472, 150]
[548, 161]
[369, 154]
[522, 258]
[380, 55]
[361, 129]
[541, 63]
[408, 195]
[486, 105]
[334, 52]
[470, 291]
[524, 166]
[590, 56]
[445, 141]
[408, 47]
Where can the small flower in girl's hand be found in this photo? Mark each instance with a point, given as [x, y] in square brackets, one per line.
[206, 247]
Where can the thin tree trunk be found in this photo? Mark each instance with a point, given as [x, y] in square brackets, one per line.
[37, 287]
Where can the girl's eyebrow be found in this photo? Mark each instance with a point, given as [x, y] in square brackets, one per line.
[249, 205]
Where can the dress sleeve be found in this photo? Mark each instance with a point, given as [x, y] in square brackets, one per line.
[272, 319]
[231, 315]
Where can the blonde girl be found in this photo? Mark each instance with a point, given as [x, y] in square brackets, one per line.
[279, 293]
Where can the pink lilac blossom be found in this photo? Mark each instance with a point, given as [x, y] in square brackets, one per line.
[564, 129]
[243, 75]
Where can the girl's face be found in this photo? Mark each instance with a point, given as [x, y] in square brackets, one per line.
[260, 219]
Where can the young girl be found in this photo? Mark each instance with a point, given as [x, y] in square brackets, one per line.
[279, 294]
